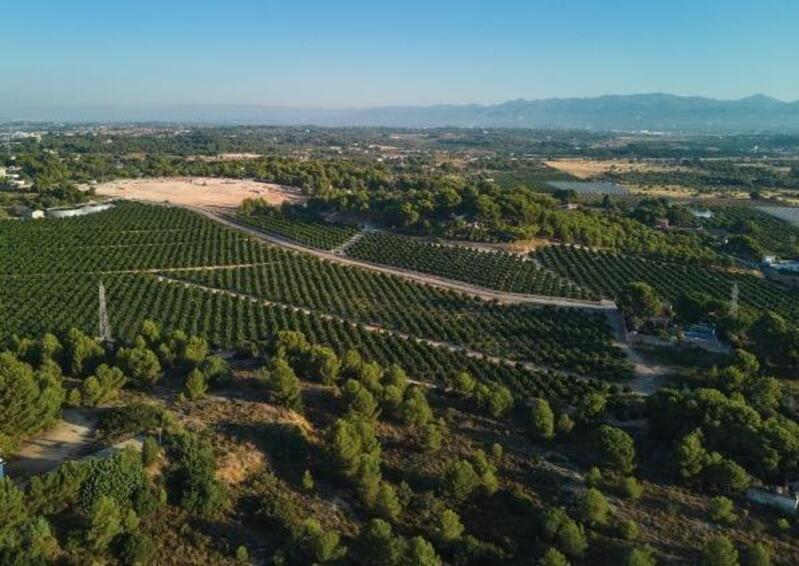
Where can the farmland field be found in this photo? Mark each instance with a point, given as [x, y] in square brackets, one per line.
[608, 273]
[496, 270]
[314, 233]
[137, 241]
[590, 187]
[789, 214]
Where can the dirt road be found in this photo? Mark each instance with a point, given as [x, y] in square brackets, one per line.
[70, 438]
[424, 278]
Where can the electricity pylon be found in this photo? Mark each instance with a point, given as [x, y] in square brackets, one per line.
[105, 326]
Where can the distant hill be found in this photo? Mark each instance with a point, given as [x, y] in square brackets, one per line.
[662, 112]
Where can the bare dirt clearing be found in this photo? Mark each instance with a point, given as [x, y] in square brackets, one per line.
[200, 192]
[588, 168]
[69, 438]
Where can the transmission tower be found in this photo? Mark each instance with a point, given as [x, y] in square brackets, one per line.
[105, 327]
[734, 301]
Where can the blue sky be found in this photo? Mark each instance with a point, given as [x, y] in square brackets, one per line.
[351, 53]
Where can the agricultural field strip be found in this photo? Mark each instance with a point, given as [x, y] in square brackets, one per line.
[608, 273]
[228, 322]
[379, 329]
[522, 332]
[317, 234]
[495, 269]
[424, 278]
[468, 322]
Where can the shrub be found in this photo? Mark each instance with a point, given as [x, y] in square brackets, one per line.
[719, 551]
[632, 489]
[564, 425]
[105, 523]
[137, 548]
[317, 544]
[721, 510]
[132, 419]
[449, 526]
[387, 504]
[594, 507]
[758, 555]
[460, 480]
[118, 476]
[542, 420]
[14, 513]
[196, 385]
[191, 476]
[150, 451]
[415, 409]
[553, 557]
[644, 556]
[628, 530]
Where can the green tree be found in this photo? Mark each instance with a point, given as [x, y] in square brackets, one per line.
[542, 420]
[105, 523]
[639, 300]
[192, 475]
[196, 385]
[30, 400]
[151, 331]
[632, 489]
[308, 483]
[571, 539]
[628, 530]
[318, 544]
[644, 556]
[565, 424]
[719, 551]
[449, 526]
[758, 555]
[495, 399]
[553, 557]
[419, 552]
[141, 364]
[387, 504]
[722, 510]
[594, 508]
[691, 456]
[377, 545]
[616, 449]
[82, 352]
[415, 409]
[215, 369]
[282, 384]
[14, 513]
[460, 480]
[463, 384]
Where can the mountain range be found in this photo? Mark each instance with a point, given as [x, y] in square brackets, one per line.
[654, 112]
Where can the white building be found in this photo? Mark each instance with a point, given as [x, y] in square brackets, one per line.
[79, 211]
[704, 214]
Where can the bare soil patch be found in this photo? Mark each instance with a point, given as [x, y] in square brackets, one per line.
[589, 168]
[203, 192]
